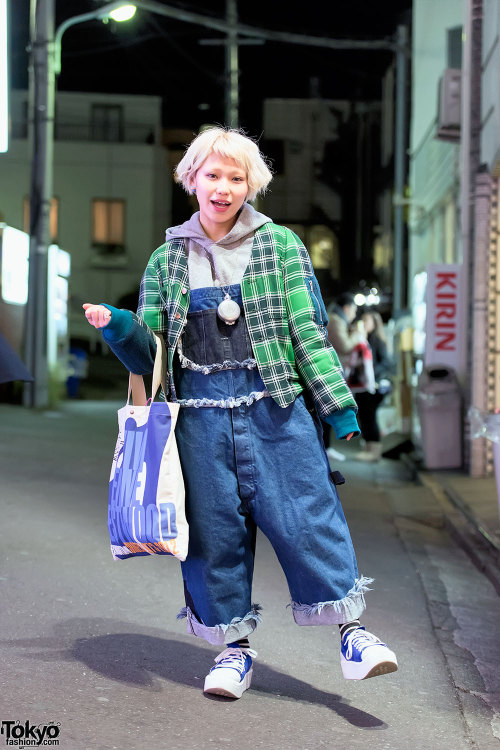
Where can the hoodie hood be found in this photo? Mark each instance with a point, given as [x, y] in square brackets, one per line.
[248, 221]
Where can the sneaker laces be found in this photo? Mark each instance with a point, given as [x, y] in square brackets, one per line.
[229, 656]
[360, 639]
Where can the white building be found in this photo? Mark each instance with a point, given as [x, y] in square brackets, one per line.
[111, 191]
[434, 163]
[300, 128]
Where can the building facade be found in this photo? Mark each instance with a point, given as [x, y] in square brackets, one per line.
[111, 191]
[454, 188]
[324, 156]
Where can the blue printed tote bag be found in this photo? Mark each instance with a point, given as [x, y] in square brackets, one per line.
[146, 511]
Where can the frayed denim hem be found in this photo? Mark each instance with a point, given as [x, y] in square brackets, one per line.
[335, 612]
[239, 627]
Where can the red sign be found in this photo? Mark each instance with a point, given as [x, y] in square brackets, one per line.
[444, 341]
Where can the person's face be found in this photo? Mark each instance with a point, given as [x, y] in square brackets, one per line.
[368, 323]
[350, 312]
[221, 188]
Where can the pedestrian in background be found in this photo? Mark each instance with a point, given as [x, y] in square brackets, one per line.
[341, 334]
[343, 338]
[369, 401]
[236, 300]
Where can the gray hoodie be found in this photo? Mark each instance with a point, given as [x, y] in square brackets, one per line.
[229, 255]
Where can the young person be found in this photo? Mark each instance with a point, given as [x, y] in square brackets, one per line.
[369, 401]
[237, 302]
[341, 313]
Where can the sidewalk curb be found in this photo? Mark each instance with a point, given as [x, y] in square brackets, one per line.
[462, 523]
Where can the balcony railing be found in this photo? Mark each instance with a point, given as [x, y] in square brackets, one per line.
[78, 131]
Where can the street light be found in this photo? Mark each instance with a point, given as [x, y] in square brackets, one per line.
[117, 11]
[46, 64]
[46, 56]
[123, 14]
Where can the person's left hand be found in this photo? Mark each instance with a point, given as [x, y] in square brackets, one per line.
[97, 315]
[349, 436]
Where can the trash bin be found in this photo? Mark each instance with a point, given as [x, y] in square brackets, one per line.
[439, 406]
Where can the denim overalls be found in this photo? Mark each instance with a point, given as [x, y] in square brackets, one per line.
[249, 463]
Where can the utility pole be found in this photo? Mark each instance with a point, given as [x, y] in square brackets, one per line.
[399, 165]
[231, 45]
[42, 84]
[232, 65]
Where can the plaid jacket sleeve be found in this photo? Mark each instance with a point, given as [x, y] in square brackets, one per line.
[152, 309]
[316, 359]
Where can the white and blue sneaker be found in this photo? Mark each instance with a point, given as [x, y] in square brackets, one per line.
[232, 673]
[363, 655]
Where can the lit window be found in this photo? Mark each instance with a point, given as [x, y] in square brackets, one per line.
[53, 219]
[108, 233]
[108, 223]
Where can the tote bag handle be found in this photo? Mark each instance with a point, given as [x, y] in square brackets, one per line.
[136, 382]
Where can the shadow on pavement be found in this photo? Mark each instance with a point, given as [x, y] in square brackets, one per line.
[137, 658]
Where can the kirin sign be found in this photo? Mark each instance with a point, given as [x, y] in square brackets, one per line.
[444, 327]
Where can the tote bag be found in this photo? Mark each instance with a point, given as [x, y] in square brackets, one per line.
[146, 512]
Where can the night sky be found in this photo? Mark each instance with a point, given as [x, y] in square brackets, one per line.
[156, 55]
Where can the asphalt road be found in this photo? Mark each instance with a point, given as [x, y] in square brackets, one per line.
[94, 646]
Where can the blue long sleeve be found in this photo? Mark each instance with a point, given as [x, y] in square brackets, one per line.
[131, 340]
[343, 422]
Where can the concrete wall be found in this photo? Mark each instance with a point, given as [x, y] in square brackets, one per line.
[304, 126]
[431, 19]
[434, 164]
[490, 93]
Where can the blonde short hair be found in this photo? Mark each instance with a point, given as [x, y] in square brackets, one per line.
[230, 144]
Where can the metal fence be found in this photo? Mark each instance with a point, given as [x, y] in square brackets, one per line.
[85, 131]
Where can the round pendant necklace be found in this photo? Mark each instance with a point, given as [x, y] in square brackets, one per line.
[228, 310]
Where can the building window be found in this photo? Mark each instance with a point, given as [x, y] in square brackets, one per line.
[108, 222]
[108, 228]
[454, 47]
[53, 220]
[107, 122]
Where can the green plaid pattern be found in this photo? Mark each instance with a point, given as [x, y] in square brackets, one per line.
[284, 313]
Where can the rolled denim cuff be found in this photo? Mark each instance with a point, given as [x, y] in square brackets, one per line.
[239, 627]
[334, 612]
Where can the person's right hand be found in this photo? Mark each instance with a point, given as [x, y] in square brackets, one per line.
[97, 315]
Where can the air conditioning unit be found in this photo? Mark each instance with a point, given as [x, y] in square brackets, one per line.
[449, 105]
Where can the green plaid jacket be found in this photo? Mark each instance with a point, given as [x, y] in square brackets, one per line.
[284, 313]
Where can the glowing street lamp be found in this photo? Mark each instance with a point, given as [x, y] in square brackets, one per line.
[125, 13]
[117, 11]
